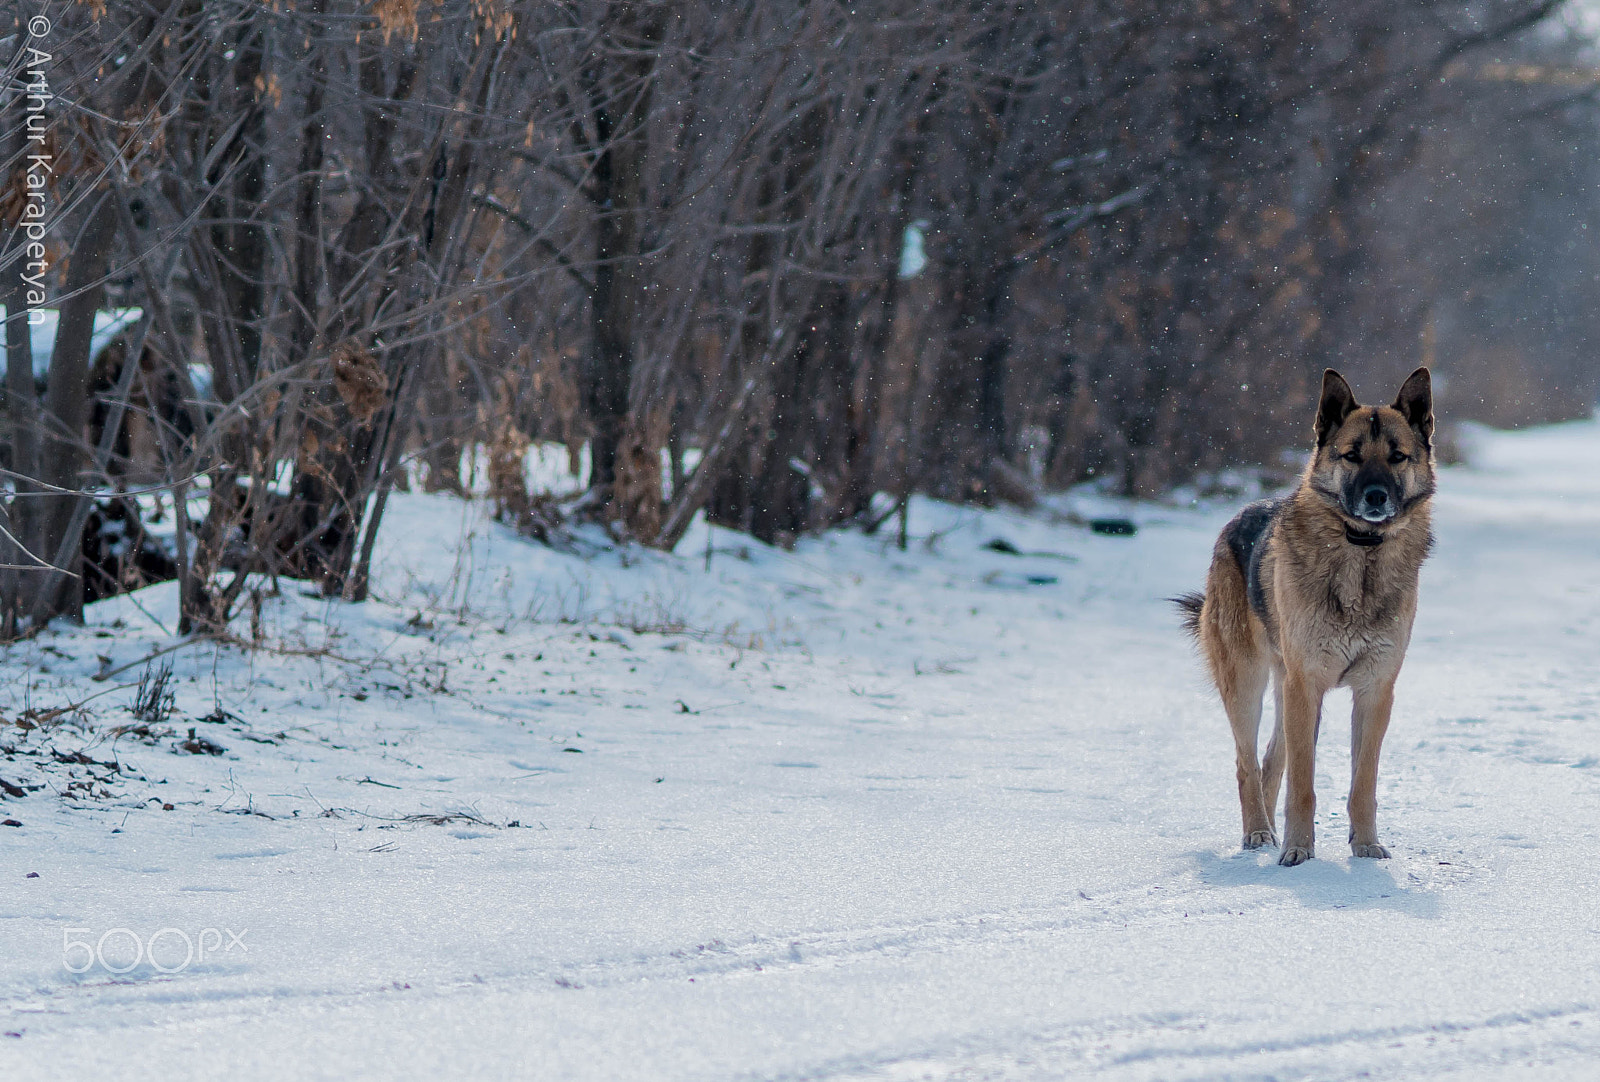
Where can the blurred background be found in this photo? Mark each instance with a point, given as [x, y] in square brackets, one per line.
[780, 264]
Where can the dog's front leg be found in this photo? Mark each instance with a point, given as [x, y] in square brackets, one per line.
[1369, 721]
[1302, 705]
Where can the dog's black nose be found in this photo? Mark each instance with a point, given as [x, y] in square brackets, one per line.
[1376, 496]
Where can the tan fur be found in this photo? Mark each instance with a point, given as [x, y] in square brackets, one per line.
[1336, 613]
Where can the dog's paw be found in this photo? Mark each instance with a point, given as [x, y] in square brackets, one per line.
[1258, 838]
[1293, 855]
[1373, 850]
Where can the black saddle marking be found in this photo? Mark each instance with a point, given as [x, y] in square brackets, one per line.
[1245, 535]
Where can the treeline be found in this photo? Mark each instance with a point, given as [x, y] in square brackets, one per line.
[761, 260]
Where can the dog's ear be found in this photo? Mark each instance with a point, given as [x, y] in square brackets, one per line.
[1338, 402]
[1415, 403]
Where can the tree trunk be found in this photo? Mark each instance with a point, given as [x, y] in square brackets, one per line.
[22, 419]
[965, 435]
[811, 388]
[621, 93]
[62, 459]
[762, 492]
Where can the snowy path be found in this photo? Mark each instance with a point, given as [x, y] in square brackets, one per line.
[943, 823]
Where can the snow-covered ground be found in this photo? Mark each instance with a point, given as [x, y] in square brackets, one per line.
[843, 813]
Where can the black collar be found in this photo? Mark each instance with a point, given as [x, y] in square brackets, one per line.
[1365, 540]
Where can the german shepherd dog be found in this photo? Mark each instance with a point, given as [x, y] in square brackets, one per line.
[1318, 590]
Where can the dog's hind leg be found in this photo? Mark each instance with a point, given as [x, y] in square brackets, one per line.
[1369, 721]
[1242, 679]
[1272, 761]
[1236, 652]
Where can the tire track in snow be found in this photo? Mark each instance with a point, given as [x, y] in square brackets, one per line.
[1143, 905]
[74, 1003]
[1169, 1047]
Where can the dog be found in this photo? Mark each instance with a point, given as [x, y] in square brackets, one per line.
[1317, 590]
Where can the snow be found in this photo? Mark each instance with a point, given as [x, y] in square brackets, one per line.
[843, 813]
[913, 254]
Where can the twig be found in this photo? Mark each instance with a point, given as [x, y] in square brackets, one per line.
[51, 715]
[109, 673]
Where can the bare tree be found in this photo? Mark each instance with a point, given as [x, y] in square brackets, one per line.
[377, 238]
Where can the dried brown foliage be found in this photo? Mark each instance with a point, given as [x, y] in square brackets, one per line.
[359, 380]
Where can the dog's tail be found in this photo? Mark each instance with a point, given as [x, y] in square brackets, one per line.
[1189, 610]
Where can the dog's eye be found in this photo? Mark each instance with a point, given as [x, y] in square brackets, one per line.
[1396, 457]
[1351, 456]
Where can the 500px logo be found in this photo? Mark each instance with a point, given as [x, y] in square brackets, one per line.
[120, 950]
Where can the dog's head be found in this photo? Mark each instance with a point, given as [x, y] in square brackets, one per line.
[1374, 463]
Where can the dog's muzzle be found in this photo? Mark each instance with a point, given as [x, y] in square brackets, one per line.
[1375, 504]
